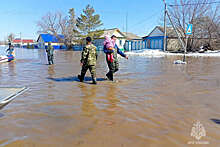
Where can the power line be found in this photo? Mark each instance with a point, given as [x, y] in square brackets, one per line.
[209, 3]
[143, 21]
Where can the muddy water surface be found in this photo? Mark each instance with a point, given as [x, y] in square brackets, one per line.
[154, 103]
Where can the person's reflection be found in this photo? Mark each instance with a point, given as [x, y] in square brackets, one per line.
[12, 68]
[89, 109]
[89, 96]
[42, 56]
[112, 99]
[51, 71]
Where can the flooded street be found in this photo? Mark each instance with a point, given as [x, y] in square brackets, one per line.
[154, 102]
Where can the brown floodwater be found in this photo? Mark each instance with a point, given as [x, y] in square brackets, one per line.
[153, 102]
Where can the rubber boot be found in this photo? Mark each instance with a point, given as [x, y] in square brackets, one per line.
[49, 61]
[94, 80]
[81, 77]
[109, 77]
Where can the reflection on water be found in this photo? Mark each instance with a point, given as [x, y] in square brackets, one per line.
[51, 71]
[154, 102]
[88, 107]
[93, 104]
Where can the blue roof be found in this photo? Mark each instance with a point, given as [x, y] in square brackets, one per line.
[50, 38]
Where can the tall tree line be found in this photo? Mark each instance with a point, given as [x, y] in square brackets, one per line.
[203, 14]
[73, 28]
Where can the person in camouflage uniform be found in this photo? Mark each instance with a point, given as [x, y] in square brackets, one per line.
[88, 60]
[50, 51]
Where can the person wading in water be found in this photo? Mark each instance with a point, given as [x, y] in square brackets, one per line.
[88, 60]
[111, 50]
[50, 51]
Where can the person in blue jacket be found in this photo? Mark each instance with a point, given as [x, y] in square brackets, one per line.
[10, 50]
[113, 64]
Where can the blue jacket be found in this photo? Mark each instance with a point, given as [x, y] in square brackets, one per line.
[10, 51]
[111, 51]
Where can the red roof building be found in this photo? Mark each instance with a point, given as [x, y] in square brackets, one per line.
[24, 41]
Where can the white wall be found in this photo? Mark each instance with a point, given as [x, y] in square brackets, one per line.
[117, 34]
[99, 43]
[121, 46]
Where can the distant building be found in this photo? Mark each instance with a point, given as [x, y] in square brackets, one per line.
[131, 36]
[132, 41]
[56, 42]
[23, 42]
[122, 38]
[2, 43]
[155, 39]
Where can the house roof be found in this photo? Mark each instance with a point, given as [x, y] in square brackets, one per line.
[170, 31]
[50, 38]
[131, 36]
[18, 40]
[110, 32]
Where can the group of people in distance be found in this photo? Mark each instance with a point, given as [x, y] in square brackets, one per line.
[89, 57]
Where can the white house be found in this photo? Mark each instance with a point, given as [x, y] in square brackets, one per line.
[121, 38]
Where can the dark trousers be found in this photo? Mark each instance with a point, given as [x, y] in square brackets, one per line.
[50, 59]
[113, 67]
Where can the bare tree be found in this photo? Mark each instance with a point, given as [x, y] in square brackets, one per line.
[208, 25]
[201, 13]
[58, 23]
[70, 30]
[11, 37]
[49, 24]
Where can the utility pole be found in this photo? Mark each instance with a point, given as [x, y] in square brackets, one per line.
[167, 13]
[185, 49]
[21, 40]
[165, 27]
[179, 37]
[126, 23]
